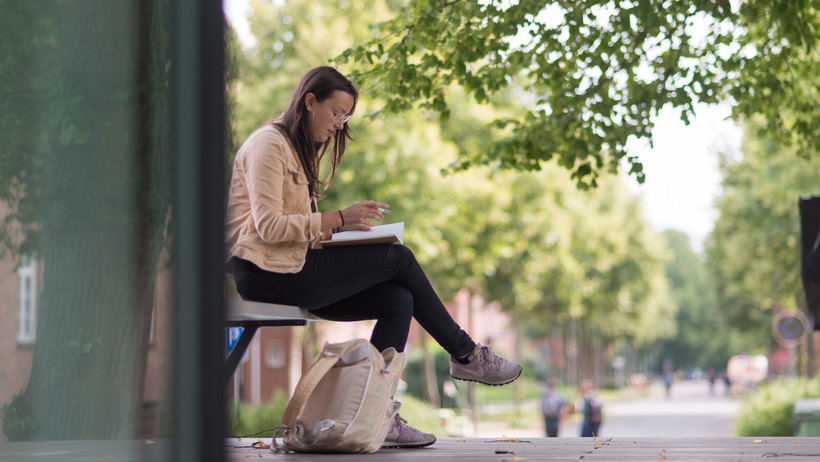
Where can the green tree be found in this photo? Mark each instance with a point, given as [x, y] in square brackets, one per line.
[593, 73]
[755, 245]
[703, 335]
[86, 174]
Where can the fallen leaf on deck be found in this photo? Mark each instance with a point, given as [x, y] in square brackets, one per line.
[149, 442]
[261, 445]
[662, 456]
[757, 441]
[499, 451]
[508, 440]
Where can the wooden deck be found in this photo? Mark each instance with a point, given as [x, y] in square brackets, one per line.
[565, 449]
[738, 449]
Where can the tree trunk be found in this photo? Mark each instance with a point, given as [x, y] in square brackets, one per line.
[518, 392]
[105, 201]
[586, 350]
[430, 379]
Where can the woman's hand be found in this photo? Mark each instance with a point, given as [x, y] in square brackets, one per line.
[357, 216]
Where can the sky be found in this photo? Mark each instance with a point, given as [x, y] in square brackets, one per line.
[682, 176]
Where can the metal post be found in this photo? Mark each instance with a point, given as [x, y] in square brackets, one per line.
[198, 89]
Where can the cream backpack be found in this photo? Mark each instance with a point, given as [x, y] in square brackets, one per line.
[344, 402]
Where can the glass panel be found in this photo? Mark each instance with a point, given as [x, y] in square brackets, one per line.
[85, 191]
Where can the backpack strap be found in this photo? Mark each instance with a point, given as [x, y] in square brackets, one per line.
[306, 386]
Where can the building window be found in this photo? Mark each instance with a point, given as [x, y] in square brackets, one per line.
[274, 355]
[27, 309]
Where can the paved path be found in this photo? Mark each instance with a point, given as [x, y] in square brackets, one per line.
[690, 411]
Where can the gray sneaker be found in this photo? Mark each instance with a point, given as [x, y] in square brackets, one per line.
[485, 367]
[402, 435]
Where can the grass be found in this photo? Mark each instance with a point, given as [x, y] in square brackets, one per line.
[420, 414]
[249, 419]
[530, 390]
[770, 410]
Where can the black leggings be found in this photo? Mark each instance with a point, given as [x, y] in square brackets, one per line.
[382, 282]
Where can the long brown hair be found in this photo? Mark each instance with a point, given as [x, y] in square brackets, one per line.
[322, 82]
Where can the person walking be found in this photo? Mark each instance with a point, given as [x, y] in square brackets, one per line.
[273, 231]
[591, 409]
[668, 380]
[553, 407]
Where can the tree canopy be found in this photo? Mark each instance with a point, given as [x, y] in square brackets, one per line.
[592, 73]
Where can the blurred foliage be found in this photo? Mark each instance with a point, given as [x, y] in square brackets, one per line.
[259, 420]
[770, 410]
[704, 336]
[531, 390]
[420, 414]
[415, 378]
[18, 425]
[591, 74]
[246, 420]
[754, 249]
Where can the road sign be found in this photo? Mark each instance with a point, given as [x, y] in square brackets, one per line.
[232, 337]
[790, 328]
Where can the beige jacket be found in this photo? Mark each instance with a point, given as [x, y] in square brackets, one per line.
[269, 220]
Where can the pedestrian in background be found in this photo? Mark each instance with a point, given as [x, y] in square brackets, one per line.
[591, 409]
[710, 376]
[668, 379]
[553, 407]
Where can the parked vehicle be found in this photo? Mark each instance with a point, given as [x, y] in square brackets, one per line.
[746, 371]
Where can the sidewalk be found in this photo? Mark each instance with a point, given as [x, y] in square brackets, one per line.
[690, 411]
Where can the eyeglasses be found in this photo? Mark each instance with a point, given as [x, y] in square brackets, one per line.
[341, 117]
[338, 116]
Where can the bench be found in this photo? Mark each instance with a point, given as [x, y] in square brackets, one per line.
[250, 316]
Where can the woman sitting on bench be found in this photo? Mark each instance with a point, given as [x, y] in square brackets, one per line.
[273, 227]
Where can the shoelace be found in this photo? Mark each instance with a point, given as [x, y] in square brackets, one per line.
[400, 421]
[486, 356]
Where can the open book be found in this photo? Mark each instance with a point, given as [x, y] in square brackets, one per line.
[381, 234]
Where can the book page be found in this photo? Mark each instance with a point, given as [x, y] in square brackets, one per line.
[380, 234]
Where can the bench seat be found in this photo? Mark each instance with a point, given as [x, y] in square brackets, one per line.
[244, 310]
[250, 316]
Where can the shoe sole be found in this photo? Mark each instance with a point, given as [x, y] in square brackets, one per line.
[487, 383]
[407, 445]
